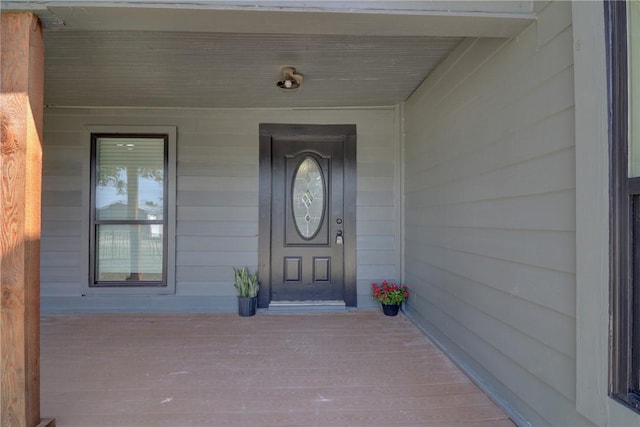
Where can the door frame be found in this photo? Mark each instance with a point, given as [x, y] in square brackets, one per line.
[302, 132]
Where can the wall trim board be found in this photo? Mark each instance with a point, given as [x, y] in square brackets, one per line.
[139, 304]
[156, 304]
[400, 188]
[592, 220]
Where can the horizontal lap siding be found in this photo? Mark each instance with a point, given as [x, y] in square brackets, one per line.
[61, 244]
[377, 211]
[490, 212]
[217, 192]
[218, 185]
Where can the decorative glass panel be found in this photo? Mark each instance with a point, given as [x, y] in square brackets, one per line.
[129, 178]
[308, 198]
[128, 252]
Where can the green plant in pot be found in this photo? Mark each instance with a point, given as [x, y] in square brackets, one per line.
[246, 284]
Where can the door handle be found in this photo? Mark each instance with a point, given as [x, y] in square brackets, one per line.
[339, 239]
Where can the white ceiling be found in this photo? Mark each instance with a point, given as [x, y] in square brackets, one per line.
[179, 69]
[229, 53]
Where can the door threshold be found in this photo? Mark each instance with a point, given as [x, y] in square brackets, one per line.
[307, 307]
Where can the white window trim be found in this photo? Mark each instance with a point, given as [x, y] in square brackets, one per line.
[170, 289]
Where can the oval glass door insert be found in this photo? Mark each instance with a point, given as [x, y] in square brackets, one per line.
[308, 198]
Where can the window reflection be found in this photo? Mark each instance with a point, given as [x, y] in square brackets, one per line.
[129, 209]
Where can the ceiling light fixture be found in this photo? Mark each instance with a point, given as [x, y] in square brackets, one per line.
[290, 79]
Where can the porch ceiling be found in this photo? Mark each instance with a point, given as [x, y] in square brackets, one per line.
[228, 55]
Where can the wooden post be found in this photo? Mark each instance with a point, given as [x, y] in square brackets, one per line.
[21, 110]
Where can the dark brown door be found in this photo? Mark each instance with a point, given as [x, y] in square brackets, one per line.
[310, 186]
[307, 239]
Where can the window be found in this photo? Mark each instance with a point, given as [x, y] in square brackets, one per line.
[622, 19]
[129, 210]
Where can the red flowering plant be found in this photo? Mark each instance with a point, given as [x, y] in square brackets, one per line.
[389, 293]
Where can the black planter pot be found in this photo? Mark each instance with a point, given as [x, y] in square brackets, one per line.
[390, 309]
[247, 306]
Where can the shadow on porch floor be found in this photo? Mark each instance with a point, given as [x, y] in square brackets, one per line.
[276, 370]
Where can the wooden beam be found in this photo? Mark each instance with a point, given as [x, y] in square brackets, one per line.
[21, 110]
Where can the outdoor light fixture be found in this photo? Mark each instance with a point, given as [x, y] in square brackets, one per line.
[290, 79]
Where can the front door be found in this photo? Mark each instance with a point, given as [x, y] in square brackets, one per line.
[310, 202]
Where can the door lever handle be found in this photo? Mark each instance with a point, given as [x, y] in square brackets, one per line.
[339, 239]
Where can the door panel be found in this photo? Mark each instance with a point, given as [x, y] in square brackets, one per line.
[307, 213]
[307, 204]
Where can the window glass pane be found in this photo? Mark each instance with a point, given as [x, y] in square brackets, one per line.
[129, 178]
[633, 35]
[308, 198]
[128, 252]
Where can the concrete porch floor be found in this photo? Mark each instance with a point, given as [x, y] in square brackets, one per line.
[275, 370]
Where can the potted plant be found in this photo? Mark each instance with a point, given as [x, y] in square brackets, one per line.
[247, 286]
[390, 296]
